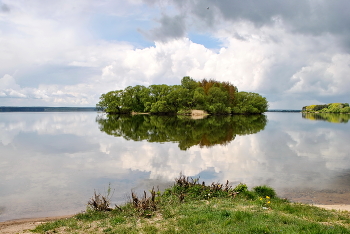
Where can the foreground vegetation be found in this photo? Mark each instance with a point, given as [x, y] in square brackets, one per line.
[212, 96]
[193, 207]
[328, 108]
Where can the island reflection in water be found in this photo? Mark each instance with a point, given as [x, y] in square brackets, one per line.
[329, 117]
[187, 132]
[50, 163]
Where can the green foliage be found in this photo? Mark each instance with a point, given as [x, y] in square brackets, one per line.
[265, 191]
[246, 102]
[199, 98]
[212, 96]
[186, 187]
[240, 188]
[189, 83]
[328, 108]
[345, 110]
[184, 112]
[135, 98]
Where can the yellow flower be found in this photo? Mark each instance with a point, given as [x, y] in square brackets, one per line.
[267, 197]
[268, 202]
[260, 199]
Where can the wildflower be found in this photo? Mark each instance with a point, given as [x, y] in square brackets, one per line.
[268, 202]
[261, 199]
[267, 197]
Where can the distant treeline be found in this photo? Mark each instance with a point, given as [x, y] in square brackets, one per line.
[212, 96]
[328, 108]
[45, 109]
[284, 111]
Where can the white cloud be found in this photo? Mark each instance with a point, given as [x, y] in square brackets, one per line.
[9, 87]
[7, 81]
[326, 78]
[61, 54]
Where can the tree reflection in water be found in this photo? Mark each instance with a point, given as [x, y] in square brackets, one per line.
[329, 117]
[184, 130]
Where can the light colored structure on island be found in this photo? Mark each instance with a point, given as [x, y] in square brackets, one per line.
[198, 114]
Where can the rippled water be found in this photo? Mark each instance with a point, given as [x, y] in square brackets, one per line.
[50, 163]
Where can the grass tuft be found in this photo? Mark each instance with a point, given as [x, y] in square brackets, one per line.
[265, 191]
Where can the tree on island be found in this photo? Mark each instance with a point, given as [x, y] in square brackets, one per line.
[328, 108]
[215, 97]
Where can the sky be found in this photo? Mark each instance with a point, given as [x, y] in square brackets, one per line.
[68, 53]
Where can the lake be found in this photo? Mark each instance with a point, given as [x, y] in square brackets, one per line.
[51, 163]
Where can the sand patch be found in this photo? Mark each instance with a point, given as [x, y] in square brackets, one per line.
[24, 225]
[341, 207]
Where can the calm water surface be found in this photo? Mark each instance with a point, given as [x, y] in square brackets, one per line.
[51, 163]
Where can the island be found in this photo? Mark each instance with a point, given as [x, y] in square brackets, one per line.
[214, 97]
[328, 108]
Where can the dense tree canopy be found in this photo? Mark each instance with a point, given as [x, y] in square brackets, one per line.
[328, 108]
[212, 96]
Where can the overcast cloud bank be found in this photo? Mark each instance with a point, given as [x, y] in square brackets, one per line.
[64, 53]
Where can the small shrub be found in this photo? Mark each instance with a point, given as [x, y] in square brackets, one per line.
[249, 195]
[146, 205]
[264, 191]
[189, 187]
[99, 202]
[240, 188]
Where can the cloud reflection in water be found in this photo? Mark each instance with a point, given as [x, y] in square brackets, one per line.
[51, 162]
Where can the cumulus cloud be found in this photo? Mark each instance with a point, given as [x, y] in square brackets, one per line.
[283, 50]
[53, 94]
[324, 77]
[9, 88]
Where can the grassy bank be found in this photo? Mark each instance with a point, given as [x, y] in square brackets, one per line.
[193, 207]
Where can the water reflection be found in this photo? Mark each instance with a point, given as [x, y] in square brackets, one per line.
[50, 163]
[186, 131]
[329, 117]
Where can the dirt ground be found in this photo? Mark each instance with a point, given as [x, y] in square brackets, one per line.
[24, 225]
[323, 197]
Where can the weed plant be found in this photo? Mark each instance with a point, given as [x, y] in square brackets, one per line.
[193, 207]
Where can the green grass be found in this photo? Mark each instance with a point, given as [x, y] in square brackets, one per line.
[190, 207]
